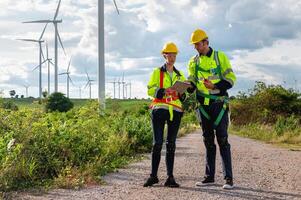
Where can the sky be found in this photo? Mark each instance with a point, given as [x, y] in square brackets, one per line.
[261, 38]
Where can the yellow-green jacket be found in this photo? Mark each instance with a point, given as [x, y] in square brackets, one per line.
[154, 86]
[214, 66]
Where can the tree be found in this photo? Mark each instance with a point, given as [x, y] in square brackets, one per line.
[58, 102]
[45, 94]
[12, 93]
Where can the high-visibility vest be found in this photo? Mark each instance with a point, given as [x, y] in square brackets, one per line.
[214, 68]
[161, 79]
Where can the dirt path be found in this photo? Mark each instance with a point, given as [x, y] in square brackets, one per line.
[261, 171]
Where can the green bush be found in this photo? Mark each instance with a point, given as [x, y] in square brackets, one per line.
[10, 105]
[58, 102]
[264, 104]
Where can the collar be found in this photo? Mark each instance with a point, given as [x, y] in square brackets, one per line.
[209, 53]
[163, 68]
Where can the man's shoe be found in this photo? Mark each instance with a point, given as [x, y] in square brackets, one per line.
[207, 181]
[229, 184]
[151, 181]
[170, 182]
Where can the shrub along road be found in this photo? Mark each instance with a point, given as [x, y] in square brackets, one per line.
[261, 171]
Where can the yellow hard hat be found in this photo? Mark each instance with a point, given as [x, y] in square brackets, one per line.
[169, 47]
[197, 36]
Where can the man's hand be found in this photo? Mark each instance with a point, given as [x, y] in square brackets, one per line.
[208, 84]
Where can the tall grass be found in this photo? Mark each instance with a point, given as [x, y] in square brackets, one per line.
[74, 148]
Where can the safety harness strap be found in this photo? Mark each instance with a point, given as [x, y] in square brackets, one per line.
[166, 100]
[224, 99]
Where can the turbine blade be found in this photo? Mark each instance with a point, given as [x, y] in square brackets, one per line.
[116, 7]
[86, 84]
[43, 55]
[57, 10]
[61, 42]
[43, 31]
[62, 73]
[36, 67]
[47, 50]
[87, 75]
[71, 80]
[69, 65]
[38, 21]
[51, 62]
[28, 40]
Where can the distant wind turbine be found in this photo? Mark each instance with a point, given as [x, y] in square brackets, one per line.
[39, 41]
[114, 84]
[130, 91]
[56, 39]
[68, 77]
[26, 87]
[89, 83]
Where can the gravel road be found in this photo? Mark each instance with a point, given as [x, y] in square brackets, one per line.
[261, 171]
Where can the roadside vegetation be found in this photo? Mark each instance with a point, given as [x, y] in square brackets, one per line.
[46, 148]
[41, 147]
[269, 113]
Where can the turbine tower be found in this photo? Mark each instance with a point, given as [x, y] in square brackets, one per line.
[101, 53]
[57, 38]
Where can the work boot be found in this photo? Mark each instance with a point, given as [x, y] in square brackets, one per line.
[229, 184]
[151, 181]
[170, 182]
[206, 181]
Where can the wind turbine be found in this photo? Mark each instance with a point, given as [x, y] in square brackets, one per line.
[80, 92]
[114, 84]
[48, 60]
[123, 85]
[129, 84]
[101, 52]
[39, 41]
[57, 38]
[89, 83]
[68, 77]
[26, 87]
[119, 87]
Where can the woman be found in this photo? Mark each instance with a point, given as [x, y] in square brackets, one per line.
[166, 108]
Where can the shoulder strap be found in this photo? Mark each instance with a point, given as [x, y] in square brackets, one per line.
[161, 78]
[218, 64]
[196, 60]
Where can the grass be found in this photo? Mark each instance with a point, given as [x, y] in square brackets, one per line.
[290, 139]
[110, 103]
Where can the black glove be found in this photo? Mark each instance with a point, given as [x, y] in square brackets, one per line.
[191, 89]
[160, 93]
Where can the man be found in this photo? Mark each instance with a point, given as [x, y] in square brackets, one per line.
[211, 75]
